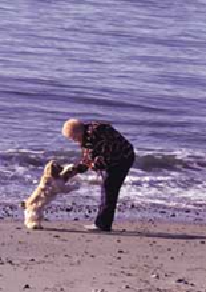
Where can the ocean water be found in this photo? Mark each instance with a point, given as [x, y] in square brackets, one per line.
[140, 65]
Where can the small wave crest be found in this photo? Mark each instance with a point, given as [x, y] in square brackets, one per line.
[29, 158]
[145, 160]
[23, 167]
[173, 162]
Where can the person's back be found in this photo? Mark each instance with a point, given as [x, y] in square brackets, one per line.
[108, 147]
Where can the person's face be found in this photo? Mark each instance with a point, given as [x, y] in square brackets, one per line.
[77, 136]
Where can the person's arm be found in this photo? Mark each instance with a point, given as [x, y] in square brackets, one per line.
[100, 146]
[94, 153]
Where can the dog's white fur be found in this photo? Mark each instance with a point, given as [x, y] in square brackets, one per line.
[46, 191]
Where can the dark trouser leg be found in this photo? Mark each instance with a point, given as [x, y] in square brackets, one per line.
[109, 195]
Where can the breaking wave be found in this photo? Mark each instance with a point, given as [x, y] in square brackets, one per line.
[143, 161]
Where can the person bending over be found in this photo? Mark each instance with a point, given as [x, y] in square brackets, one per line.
[103, 149]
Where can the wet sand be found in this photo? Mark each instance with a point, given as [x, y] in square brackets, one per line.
[144, 255]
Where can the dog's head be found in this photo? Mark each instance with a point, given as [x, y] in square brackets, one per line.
[53, 169]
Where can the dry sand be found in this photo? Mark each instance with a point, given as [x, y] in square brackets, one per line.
[137, 256]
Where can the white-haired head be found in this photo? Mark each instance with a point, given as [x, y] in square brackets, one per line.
[73, 129]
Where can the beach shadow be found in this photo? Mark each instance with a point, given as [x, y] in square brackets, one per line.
[163, 235]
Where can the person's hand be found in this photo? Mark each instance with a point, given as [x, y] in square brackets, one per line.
[90, 165]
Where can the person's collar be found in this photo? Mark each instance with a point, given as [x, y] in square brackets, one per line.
[84, 134]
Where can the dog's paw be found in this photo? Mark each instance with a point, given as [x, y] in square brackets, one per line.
[35, 227]
[67, 172]
[67, 167]
[32, 219]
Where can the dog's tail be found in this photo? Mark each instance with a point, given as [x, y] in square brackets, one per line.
[22, 204]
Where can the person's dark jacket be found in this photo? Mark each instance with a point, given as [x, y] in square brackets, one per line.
[103, 147]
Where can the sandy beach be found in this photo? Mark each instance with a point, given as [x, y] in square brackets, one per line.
[137, 256]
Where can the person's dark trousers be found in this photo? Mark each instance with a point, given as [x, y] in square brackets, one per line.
[114, 178]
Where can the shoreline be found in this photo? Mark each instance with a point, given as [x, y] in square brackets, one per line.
[125, 211]
[141, 256]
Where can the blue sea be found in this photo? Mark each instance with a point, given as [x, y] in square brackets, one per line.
[140, 65]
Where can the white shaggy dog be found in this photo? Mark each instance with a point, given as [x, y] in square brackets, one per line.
[52, 182]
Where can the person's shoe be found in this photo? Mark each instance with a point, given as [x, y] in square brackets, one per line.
[94, 227]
